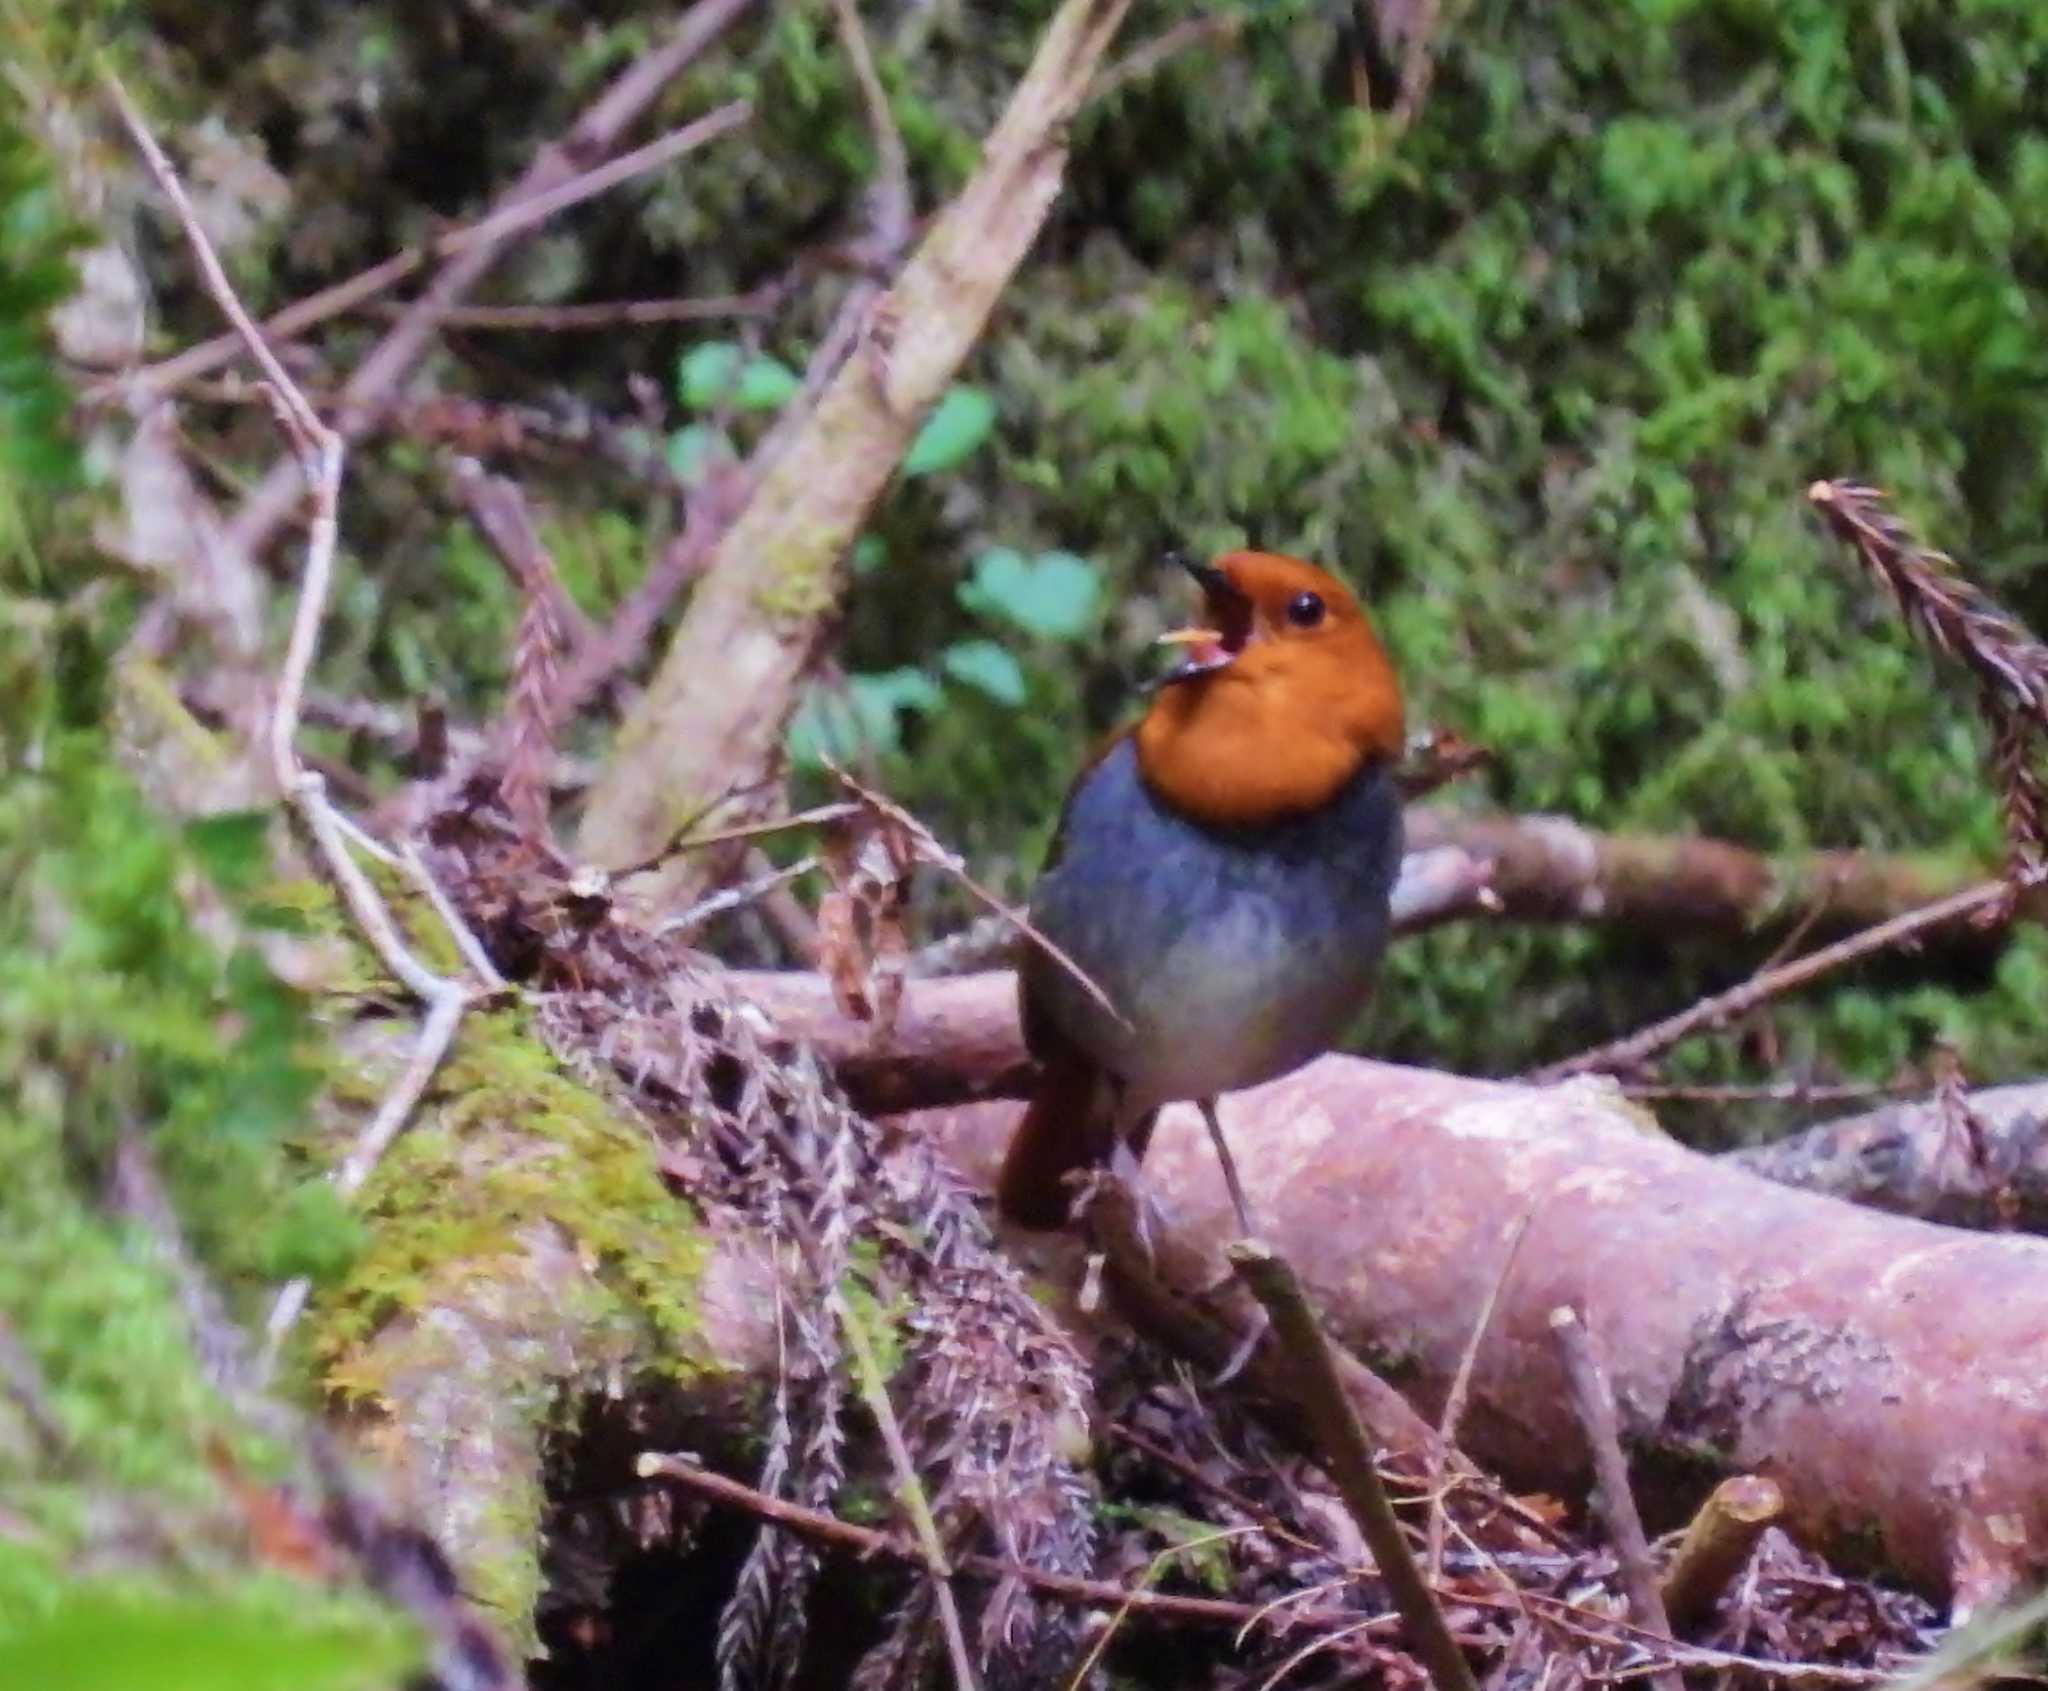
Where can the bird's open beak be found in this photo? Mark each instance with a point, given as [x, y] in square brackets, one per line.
[1210, 648]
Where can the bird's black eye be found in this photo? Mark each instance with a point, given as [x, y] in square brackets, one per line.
[1305, 610]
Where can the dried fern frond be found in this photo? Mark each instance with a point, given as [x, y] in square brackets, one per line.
[997, 1397]
[1952, 614]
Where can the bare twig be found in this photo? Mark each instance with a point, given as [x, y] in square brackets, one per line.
[1774, 1092]
[874, 1391]
[500, 225]
[759, 886]
[1629, 1053]
[597, 314]
[1717, 1544]
[1594, 1404]
[1218, 29]
[437, 1033]
[1342, 1443]
[865, 1541]
[374, 387]
[1461, 1386]
[318, 451]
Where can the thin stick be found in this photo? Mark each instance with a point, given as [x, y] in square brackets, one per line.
[319, 451]
[1760, 988]
[1716, 1546]
[375, 385]
[436, 1034]
[594, 314]
[507, 220]
[866, 1541]
[875, 1390]
[523, 214]
[1461, 1386]
[1594, 1404]
[466, 942]
[1347, 1456]
[731, 898]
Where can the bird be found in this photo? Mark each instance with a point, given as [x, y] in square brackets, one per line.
[1214, 905]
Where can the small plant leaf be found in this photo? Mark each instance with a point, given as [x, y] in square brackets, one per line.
[1052, 596]
[843, 722]
[957, 426]
[988, 667]
[720, 372]
[693, 449]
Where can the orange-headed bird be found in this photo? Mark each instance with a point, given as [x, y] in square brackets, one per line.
[1221, 872]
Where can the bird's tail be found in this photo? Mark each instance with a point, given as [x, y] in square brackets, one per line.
[1071, 1124]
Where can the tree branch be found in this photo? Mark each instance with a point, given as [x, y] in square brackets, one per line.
[712, 720]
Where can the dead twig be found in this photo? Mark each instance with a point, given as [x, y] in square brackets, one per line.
[1716, 1546]
[594, 315]
[1628, 1054]
[375, 386]
[1342, 1445]
[1218, 30]
[866, 1541]
[500, 225]
[874, 1390]
[1461, 1386]
[1593, 1402]
[318, 452]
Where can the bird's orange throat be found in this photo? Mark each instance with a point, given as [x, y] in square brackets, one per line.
[1276, 734]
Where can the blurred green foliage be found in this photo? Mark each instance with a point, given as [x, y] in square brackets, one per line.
[1544, 372]
[124, 1018]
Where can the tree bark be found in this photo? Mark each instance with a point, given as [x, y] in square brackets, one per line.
[1909, 1159]
[1552, 869]
[1885, 1372]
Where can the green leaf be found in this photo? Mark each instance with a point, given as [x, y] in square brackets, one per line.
[707, 372]
[987, 666]
[842, 723]
[960, 423]
[693, 449]
[102, 1641]
[720, 372]
[1052, 596]
[766, 384]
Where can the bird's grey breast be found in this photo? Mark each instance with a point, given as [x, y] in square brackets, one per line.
[1232, 954]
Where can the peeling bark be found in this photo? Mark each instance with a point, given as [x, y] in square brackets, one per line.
[1908, 1158]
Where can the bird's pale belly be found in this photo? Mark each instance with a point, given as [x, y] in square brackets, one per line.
[1232, 957]
[1235, 1006]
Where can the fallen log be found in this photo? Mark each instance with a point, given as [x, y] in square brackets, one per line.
[1909, 1158]
[1888, 1374]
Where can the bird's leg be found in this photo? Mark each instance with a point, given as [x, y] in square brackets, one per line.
[1244, 1212]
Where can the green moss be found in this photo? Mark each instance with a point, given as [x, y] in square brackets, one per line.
[508, 1141]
